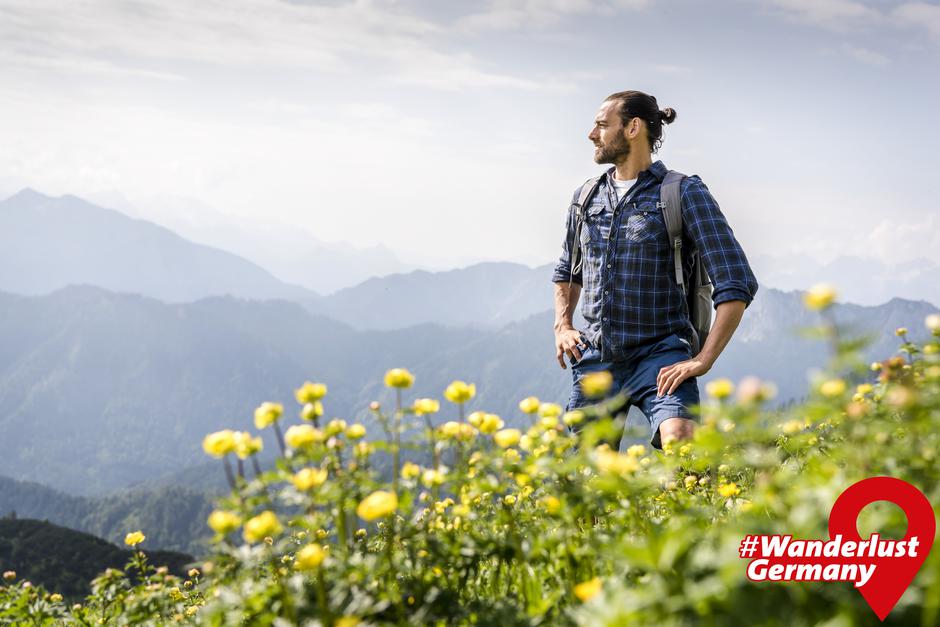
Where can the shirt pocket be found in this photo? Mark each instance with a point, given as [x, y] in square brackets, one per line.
[646, 225]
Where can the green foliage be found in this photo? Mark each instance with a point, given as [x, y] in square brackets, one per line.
[539, 528]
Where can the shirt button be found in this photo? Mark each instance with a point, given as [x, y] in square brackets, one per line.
[604, 319]
[607, 291]
[608, 265]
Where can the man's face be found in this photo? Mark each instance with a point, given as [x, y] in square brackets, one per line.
[608, 137]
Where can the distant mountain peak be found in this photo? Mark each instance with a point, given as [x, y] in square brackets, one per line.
[29, 196]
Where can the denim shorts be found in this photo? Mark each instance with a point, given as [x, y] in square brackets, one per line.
[636, 377]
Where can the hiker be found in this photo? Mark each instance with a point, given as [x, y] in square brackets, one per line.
[640, 325]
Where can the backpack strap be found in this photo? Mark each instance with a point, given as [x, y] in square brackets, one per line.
[670, 197]
[587, 191]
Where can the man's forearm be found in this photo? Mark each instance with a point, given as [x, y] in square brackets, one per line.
[566, 299]
[727, 316]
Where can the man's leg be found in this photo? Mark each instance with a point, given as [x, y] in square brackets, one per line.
[590, 362]
[670, 415]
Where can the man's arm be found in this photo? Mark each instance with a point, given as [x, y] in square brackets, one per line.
[567, 292]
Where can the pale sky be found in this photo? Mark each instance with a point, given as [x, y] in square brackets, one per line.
[459, 129]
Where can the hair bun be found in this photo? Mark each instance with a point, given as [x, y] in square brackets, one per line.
[668, 115]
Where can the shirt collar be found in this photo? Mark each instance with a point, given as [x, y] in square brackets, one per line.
[657, 170]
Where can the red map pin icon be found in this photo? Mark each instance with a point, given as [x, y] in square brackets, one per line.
[892, 575]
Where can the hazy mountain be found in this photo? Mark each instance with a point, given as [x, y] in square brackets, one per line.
[64, 560]
[866, 281]
[101, 390]
[291, 253]
[47, 243]
[173, 517]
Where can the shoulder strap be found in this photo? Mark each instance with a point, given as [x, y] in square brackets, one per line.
[670, 197]
[587, 191]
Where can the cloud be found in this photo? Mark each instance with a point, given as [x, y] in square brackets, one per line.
[836, 15]
[920, 14]
[869, 57]
[165, 38]
[524, 14]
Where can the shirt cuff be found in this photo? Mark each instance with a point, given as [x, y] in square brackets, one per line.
[731, 293]
[560, 276]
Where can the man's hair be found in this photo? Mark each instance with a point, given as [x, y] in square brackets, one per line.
[636, 104]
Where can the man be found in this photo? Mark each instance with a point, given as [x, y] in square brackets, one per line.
[638, 325]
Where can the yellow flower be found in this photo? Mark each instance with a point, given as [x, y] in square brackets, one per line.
[550, 410]
[932, 322]
[424, 406]
[355, 431]
[347, 621]
[267, 414]
[263, 525]
[9, 575]
[223, 522]
[335, 426]
[636, 450]
[491, 423]
[476, 418]
[311, 411]
[399, 378]
[245, 445]
[193, 572]
[529, 405]
[309, 478]
[573, 417]
[509, 499]
[309, 557]
[864, 388]
[450, 429]
[792, 426]
[134, 538]
[900, 331]
[378, 504]
[431, 478]
[220, 443]
[719, 388]
[410, 470]
[310, 392]
[832, 387]
[587, 590]
[466, 432]
[552, 504]
[616, 463]
[299, 436]
[690, 481]
[507, 437]
[819, 296]
[596, 384]
[55, 597]
[460, 392]
[729, 489]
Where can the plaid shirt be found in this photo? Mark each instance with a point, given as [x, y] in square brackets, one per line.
[630, 295]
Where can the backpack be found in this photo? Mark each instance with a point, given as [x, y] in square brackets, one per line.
[698, 292]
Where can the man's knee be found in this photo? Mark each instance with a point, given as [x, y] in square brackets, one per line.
[676, 429]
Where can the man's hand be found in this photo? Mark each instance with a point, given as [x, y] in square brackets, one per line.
[568, 341]
[670, 377]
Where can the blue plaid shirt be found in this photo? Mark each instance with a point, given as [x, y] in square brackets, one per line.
[630, 295]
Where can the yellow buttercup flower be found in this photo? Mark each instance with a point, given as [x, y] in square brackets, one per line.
[573, 417]
[220, 443]
[932, 322]
[491, 423]
[466, 432]
[55, 597]
[820, 296]
[636, 450]
[311, 411]
[410, 470]
[507, 437]
[399, 378]
[134, 538]
[864, 388]
[223, 522]
[549, 410]
[597, 384]
[719, 388]
[460, 392]
[335, 426]
[529, 405]
[900, 331]
[245, 445]
[832, 387]
[587, 590]
[309, 478]
[424, 406]
[310, 557]
[476, 418]
[377, 505]
[450, 429]
[355, 431]
[267, 414]
[261, 526]
[792, 426]
[299, 436]
[310, 392]
[552, 504]
[431, 478]
[729, 489]
[614, 463]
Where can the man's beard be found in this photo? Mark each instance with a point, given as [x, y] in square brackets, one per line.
[613, 152]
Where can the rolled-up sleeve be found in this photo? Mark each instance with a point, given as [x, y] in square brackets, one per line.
[721, 254]
[562, 271]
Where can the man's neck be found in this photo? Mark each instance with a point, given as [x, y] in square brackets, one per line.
[630, 167]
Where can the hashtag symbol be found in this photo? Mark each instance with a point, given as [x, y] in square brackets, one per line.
[748, 546]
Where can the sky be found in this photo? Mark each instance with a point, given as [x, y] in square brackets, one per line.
[454, 130]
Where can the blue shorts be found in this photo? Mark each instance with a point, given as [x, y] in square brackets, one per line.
[636, 377]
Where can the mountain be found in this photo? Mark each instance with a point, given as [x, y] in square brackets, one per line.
[100, 391]
[47, 243]
[173, 517]
[65, 561]
[292, 254]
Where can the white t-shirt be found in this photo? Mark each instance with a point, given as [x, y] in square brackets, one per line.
[622, 187]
